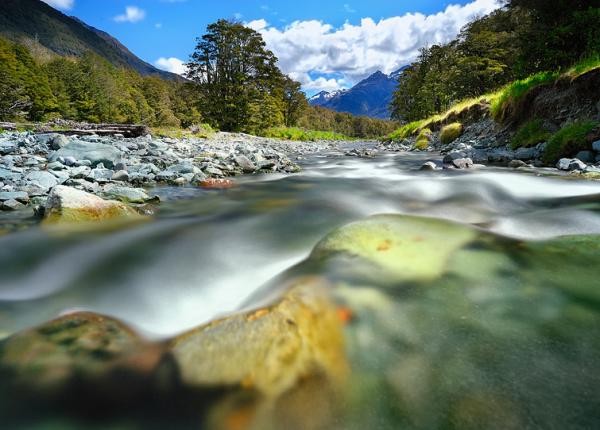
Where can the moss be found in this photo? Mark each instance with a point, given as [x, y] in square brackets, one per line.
[568, 141]
[451, 132]
[423, 139]
[530, 134]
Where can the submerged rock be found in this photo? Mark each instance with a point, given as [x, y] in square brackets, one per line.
[84, 352]
[270, 349]
[69, 205]
[395, 247]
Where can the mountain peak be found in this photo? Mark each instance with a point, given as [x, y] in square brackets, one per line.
[370, 97]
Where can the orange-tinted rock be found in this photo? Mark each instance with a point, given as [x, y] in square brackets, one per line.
[217, 183]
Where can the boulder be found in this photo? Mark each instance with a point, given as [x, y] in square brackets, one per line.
[586, 156]
[515, 164]
[245, 164]
[42, 181]
[58, 141]
[69, 205]
[525, 154]
[83, 351]
[449, 158]
[128, 194]
[11, 205]
[94, 152]
[271, 348]
[462, 163]
[120, 175]
[429, 165]
[394, 248]
[596, 146]
[20, 196]
[570, 164]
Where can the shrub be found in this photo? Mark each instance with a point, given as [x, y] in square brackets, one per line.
[568, 141]
[422, 142]
[530, 134]
[451, 132]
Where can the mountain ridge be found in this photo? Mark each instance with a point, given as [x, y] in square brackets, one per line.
[370, 97]
[67, 36]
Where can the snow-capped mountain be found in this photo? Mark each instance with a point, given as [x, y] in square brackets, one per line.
[370, 97]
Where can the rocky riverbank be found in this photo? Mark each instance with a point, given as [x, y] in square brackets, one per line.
[32, 165]
[485, 142]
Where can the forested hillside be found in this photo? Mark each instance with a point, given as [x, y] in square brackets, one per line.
[34, 23]
[261, 100]
[523, 38]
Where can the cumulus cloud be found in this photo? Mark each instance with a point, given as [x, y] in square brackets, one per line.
[61, 4]
[132, 14]
[171, 64]
[356, 51]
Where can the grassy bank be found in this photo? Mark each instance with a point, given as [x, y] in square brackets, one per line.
[299, 134]
[504, 104]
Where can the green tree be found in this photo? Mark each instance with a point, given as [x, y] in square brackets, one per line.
[237, 76]
[294, 100]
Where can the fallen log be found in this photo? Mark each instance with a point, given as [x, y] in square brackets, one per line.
[126, 130]
[9, 126]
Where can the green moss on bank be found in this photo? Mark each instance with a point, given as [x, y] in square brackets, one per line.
[568, 141]
[530, 134]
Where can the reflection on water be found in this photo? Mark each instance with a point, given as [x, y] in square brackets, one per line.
[507, 335]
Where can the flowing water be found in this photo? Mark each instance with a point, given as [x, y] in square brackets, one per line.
[509, 335]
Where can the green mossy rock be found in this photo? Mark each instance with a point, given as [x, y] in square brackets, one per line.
[400, 248]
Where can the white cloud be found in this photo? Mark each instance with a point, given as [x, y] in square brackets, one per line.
[132, 14]
[61, 4]
[171, 64]
[356, 51]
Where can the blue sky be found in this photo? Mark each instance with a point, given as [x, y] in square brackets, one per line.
[326, 44]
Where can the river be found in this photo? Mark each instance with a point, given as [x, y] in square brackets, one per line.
[206, 252]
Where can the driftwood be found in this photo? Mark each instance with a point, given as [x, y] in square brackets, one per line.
[11, 126]
[82, 129]
[126, 130]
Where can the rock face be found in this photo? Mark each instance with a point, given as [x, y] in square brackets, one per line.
[69, 205]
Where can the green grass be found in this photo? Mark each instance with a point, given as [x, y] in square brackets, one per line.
[584, 66]
[530, 134]
[515, 91]
[406, 130]
[422, 142]
[568, 141]
[294, 133]
[451, 132]
[201, 131]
